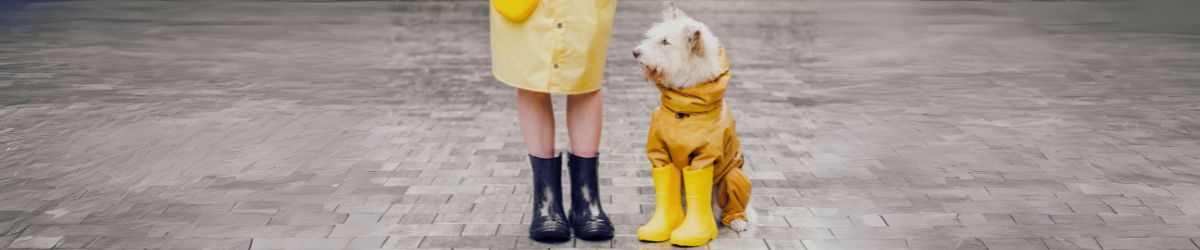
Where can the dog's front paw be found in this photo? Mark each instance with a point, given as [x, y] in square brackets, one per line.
[739, 225]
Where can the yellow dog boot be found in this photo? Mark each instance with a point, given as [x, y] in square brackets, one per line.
[668, 209]
[699, 225]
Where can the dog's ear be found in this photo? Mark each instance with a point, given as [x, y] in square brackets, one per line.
[670, 12]
[695, 39]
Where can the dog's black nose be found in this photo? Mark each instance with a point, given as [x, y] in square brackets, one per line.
[636, 54]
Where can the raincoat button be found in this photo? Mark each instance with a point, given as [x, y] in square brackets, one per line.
[556, 65]
[559, 25]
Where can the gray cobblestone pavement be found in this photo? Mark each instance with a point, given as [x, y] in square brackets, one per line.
[866, 125]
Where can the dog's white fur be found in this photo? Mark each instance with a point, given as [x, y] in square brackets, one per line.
[681, 52]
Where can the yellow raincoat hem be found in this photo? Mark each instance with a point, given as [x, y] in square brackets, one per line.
[543, 90]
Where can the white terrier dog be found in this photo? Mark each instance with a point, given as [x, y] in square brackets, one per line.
[687, 63]
[680, 51]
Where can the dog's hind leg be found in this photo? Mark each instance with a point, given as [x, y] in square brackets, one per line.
[737, 224]
[733, 195]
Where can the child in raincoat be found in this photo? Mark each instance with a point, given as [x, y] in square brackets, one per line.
[541, 47]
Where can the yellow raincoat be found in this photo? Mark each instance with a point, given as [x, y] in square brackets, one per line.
[560, 48]
[693, 129]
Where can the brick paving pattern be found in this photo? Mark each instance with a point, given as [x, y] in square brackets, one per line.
[324, 125]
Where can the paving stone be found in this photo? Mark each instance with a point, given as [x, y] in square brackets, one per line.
[1137, 210]
[363, 208]
[785, 244]
[1090, 208]
[971, 244]
[74, 241]
[258, 206]
[184, 219]
[402, 242]
[1074, 243]
[64, 230]
[234, 219]
[119, 242]
[294, 231]
[1069, 231]
[1146, 243]
[1020, 190]
[815, 221]
[500, 218]
[445, 190]
[367, 242]
[197, 208]
[308, 218]
[400, 230]
[298, 243]
[870, 220]
[585, 244]
[1036, 207]
[1032, 219]
[35, 242]
[1121, 201]
[932, 243]
[985, 231]
[224, 231]
[924, 219]
[788, 233]
[1014, 243]
[732, 243]
[856, 244]
[174, 231]
[1181, 219]
[221, 243]
[894, 232]
[418, 218]
[513, 230]
[1166, 210]
[1130, 219]
[480, 229]
[1090, 219]
[1000, 219]
[469, 242]
[362, 218]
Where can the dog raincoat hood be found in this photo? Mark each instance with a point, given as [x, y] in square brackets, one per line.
[701, 98]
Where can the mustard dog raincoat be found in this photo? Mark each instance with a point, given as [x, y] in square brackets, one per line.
[693, 128]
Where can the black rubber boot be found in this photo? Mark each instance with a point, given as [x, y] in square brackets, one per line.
[587, 216]
[549, 222]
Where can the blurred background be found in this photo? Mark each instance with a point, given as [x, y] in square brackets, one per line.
[872, 124]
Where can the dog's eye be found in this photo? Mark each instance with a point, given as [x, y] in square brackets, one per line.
[664, 42]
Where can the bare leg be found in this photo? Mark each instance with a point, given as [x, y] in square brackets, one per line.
[589, 221]
[584, 113]
[535, 113]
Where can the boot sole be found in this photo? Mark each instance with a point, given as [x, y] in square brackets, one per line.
[551, 234]
[594, 233]
[594, 236]
[551, 238]
[654, 239]
[692, 243]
